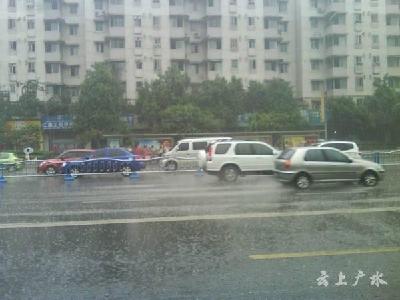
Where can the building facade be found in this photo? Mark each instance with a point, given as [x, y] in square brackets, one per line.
[338, 46]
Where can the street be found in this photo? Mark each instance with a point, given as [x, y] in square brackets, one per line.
[184, 236]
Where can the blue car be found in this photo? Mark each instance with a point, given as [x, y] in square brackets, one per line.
[106, 160]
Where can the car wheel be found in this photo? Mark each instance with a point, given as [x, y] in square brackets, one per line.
[126, 171]
[171, 166]
[50, 171]
[369, 179]
[74, 172]
[230, 173]
[303, 181]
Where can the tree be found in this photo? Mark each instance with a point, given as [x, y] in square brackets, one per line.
[171, 88]
[222, 99]
[100, 105]
[27, 136]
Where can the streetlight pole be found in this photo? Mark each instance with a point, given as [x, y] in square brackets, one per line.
[323, 104]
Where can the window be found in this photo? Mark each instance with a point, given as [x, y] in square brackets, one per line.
[214, 44]
[374, 18]
[316, 43]
[270, 65]
[50, 47]
[31, 46]
[314, 23]
[339, 146]
[138, 42]
[243, 149]
[73, 29]
[13, 46]
[234, 64]
[12, 68]
[357, 18]
[287, 154]
[283, 47]
[117, 21]
[284, 68]
[335, 156]
[157, 65]
[222, 148]
[195, 48]
[252, 65]
[11, 3]
[73, 9]
[137, 21]
[234, 44]
[30, 24]
[317, 85]
[117, 2]
[51, 26]
[260, 149]
[99, 47]
[156, 22]
[139, 64]
[270, 44]
[199, 145]
[316, 64]
[214, 22]
[74, 71]
[314, 155]
[98, 4]
[358, 60]
[73, 50]
[99, 25]
[393, 61]
[252, 43]
[375, 41]
[100, 153]
[393, 41]
[337, 83]
[233, 22]
[177, 44]
[376, 61]
[11, 24]
[137, 3]
[52, 68]
[157, 42]
[156, 3]
[183, 147]
[210, 3]
[54, 4]
[251, 21]
[251, 4]
[117, 43]
[359, 83]
[358, 41]
[139, 84]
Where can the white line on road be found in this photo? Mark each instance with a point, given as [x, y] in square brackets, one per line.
[199, 218]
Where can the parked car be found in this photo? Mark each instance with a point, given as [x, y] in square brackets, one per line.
[231, 158]
[349, 148]
[106, 160]
[54, 165]
[10, 161]
[187, 149]
[304, 166]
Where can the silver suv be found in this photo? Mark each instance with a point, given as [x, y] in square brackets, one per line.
[229, 159]
[302, 166]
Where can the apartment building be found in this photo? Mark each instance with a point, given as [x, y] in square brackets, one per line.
[338, 46]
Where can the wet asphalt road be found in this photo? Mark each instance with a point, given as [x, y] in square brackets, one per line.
[180, 236]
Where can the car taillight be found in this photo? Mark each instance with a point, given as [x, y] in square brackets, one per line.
[209, 154]
[286, 164]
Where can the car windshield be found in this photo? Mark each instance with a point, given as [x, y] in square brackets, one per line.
[145, 137]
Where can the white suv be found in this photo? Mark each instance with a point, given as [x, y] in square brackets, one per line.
[349, 148]
[229, 159]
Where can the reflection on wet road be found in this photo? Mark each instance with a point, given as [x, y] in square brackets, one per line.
[180, 236]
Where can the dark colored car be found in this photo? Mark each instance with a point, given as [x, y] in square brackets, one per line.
[106, 160]
[54, 165]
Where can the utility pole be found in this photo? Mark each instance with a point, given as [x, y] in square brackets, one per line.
[324, 117]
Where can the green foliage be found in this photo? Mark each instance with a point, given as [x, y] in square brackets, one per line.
[27, 136]
[100, 105]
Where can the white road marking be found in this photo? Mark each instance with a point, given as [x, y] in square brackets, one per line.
[199, 218]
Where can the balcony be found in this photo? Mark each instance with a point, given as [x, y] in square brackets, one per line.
[52, 14]
[233, 9]
[391, 7]
[54, 78]
[378, 69]
[337, 72]
[393, 71]
[54, 35]
[214, 32]
[251, 51]
[214, 10]
[178, 54]
[335, 7]
[72, 39]
[393, 29]
[177, 10]
[272, 32]
[196, 37]
[177, 32]
[116, 31]
[272, 54]
[269, 74]
[358, 69]
[157, 51]
[53, 56]
[271, 10]
[392, 51]
[71, 80]
[214, 54]
[196, 15]
[71, 19]
[116, 9]
[196, 57]
[116, 54]
[336, 50]
[336, 29]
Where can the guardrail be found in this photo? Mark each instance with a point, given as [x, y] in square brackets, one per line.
[383, 157]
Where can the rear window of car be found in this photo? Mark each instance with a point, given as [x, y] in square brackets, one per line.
[199, 145]
[286, 154]
[314, 155]
[222, 148]
[340, 146]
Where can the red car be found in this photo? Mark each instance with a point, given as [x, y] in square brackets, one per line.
[53, 166]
